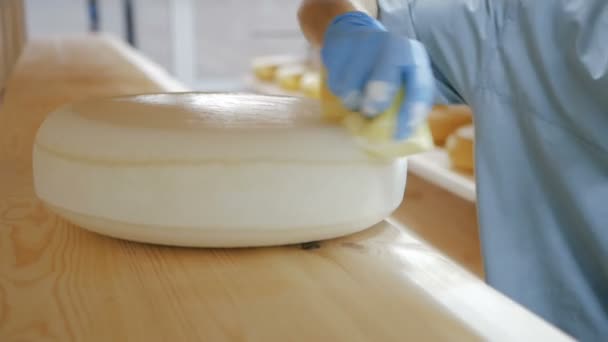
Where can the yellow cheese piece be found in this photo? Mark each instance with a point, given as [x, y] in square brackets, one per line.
[460, 148]
[376, 135]
[444, 120]
[210, 170]
[265, 67]
[265, 72]
[289, 76]
[310, 84]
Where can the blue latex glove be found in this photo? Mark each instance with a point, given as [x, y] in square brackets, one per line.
[367, 65]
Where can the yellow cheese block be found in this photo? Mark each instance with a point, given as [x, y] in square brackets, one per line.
[444, 120]
[288, 76]
[265, 67]
[460, 147]
[211, 170]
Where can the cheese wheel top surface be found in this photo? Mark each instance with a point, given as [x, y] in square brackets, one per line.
[196, 127]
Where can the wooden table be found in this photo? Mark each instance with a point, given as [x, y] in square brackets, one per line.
[58, 281]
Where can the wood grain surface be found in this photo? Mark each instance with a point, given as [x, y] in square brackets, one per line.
[442, 219]
[12, 36]
[60, 282]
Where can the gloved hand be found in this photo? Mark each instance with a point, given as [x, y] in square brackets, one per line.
[367, 65]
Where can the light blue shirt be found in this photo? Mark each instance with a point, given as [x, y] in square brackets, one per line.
[536, 74]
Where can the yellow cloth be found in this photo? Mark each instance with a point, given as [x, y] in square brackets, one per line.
[376, 135]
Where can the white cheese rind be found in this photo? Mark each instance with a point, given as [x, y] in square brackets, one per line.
[105, 172]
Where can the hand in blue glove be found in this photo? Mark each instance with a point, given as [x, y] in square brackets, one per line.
[367, 65]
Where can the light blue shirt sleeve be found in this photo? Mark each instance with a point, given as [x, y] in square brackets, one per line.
[401, 16]
[536, 75]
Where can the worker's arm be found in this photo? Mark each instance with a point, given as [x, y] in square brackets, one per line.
[316, 15]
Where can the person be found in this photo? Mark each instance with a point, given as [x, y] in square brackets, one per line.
[535, 73]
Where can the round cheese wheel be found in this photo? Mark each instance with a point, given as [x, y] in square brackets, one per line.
[460, 147]
[444, 120]
[216, 170]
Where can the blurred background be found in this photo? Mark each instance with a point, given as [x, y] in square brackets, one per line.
[206, 44]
